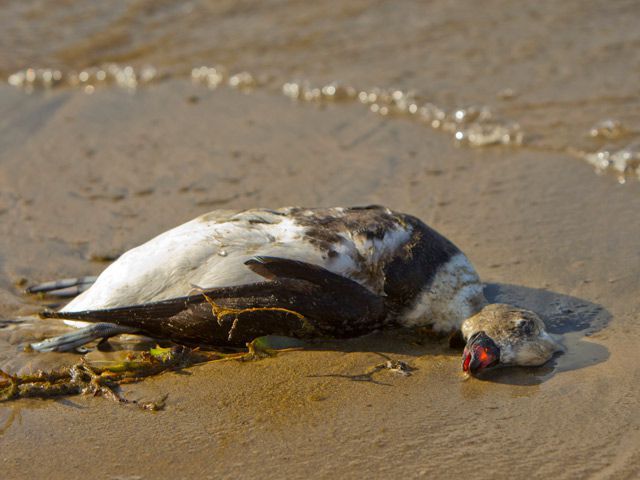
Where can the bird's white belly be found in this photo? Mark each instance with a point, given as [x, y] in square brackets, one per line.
[208, 253]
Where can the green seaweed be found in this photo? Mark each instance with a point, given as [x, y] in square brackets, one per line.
[103, 377]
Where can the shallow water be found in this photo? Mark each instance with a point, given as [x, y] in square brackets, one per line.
[533, 77]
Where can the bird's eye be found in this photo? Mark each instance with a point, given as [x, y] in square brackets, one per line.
[525, 326]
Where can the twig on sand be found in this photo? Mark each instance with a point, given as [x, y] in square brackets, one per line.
[104, 378]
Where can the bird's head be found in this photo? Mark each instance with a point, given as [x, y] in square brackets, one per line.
[505, 335]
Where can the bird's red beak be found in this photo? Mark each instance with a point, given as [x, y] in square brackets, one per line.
[481, 352]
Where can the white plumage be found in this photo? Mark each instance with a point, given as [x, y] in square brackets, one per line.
[210, 251]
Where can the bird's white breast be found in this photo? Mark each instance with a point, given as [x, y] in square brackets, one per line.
[454, 294]
[210, 252]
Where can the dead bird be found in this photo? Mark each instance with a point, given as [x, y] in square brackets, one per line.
[228, 277]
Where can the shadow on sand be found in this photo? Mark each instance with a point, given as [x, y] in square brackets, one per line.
[570, 319]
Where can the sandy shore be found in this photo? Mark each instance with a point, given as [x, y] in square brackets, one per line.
[84, 177]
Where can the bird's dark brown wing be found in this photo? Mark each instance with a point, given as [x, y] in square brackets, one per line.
[300, 300]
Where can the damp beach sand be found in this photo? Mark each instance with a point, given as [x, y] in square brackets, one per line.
[85, 176]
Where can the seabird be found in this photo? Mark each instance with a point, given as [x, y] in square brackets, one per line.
[228, 277]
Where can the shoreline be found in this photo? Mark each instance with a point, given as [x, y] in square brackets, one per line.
[85, 176]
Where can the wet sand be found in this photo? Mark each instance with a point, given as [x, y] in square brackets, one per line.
[83, 177]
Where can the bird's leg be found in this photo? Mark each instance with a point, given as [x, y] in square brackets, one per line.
[63, 288]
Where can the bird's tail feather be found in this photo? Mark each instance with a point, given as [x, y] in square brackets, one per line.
[70, 341]
[63, 288]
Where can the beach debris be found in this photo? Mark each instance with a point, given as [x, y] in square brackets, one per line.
[100, 378]
[398, 367]
[103, 377]
[268, 346]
